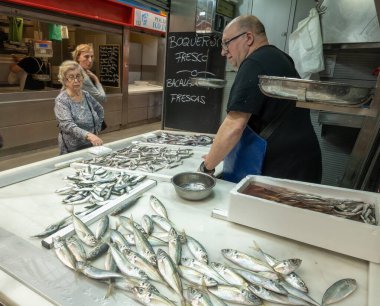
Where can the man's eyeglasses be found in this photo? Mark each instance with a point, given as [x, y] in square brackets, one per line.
[227, 42]
[71, 78]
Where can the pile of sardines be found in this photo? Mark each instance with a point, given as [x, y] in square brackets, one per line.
[179, 139]
[343, 208]
[136, 257]
[143, 158]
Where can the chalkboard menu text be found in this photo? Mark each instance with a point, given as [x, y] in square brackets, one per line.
[187, 106]
[109, 65]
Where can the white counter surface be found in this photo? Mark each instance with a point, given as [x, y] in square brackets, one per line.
[32, 275]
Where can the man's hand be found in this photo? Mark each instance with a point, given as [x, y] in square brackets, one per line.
[95, 140]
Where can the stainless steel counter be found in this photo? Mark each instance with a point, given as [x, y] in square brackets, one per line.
[29, 204]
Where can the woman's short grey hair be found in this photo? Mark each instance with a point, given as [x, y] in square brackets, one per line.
[65, 67]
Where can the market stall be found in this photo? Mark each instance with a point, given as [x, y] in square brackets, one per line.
[29, 204]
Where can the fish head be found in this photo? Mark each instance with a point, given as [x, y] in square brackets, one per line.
[229, 252]
[91, 240]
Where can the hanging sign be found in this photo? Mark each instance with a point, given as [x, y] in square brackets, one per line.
[148, 20]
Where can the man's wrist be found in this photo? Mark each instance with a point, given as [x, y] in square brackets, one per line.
[203, 169]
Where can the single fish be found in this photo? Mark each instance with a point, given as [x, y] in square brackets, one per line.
[96, 273]
[158, 207]
[83, 232]
[124, 265]
[168, 271]
[287, 266]
[174, 246]
[97, 251]
[339, 291]
[258, 279]
[76, 248]
[149, 298]
[229, 275]
[144, 265]
[147, 224]
[196, 297]
[197, 249]
[63, 253]
[196, 277]
[245, 261]
[201, 267]
[271, 296]
[235, 295]
[298, 293]
[102, 227]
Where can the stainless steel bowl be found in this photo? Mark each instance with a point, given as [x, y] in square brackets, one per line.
[193, 185]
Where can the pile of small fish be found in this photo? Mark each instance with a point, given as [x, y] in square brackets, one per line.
[143, 158]
[179, 139]
[132, 265]
[95, 186]
[348, 209]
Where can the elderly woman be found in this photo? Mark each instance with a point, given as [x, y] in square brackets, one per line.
[84, 55]
[79, 115]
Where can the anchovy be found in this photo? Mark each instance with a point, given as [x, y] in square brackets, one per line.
[235, 295]
[196, 277]
[339, 291]
[129, 225]
[154, 241]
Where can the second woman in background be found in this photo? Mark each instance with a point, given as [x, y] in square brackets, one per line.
[84, 55]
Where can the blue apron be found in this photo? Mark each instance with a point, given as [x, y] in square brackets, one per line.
[247, 157]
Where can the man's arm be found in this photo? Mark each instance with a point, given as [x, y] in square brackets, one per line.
[226, 138]
[15, 68]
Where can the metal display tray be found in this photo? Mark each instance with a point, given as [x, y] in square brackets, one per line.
[337, 94]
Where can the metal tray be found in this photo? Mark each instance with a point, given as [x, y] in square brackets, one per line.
[314, 91]
[208, 82]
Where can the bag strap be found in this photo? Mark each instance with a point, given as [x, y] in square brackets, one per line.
[275, 123]
[92, 115]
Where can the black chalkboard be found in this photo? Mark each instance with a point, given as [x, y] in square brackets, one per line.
[109, 65]
[186, 106]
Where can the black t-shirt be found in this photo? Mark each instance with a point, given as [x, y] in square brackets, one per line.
[32, 65]
[293, 150]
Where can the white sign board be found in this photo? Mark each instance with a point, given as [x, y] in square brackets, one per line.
[150, 20]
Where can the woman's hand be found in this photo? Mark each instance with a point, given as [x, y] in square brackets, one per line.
[92, 76]
[95, 140]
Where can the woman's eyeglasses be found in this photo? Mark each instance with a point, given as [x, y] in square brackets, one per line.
[227, 42]
[72, 78]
